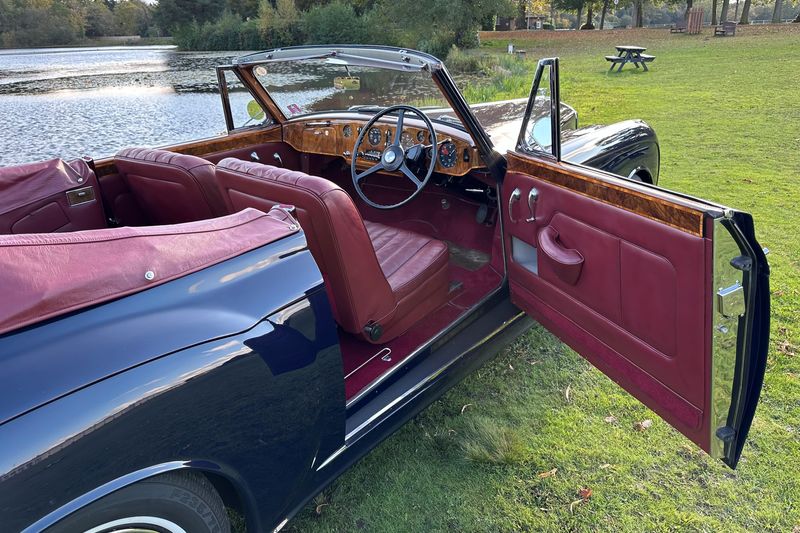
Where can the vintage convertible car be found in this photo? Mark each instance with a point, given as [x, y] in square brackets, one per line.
[233, 322]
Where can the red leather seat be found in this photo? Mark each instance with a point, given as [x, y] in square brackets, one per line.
[171, 188]
[374, 274]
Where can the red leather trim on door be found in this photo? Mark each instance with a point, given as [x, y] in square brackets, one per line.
[638, 307]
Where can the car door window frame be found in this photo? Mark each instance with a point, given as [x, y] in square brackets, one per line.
[222, 82]
[555, 110]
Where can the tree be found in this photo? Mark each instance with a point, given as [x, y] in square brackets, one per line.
[714, 12]
[174, 13]
[131, 17]
[776, 13]
[99, 19]
[603, 14]
[745, 13]
[723, 17]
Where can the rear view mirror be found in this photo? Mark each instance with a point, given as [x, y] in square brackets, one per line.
[347, 83]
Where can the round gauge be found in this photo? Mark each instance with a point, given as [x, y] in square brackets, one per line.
[347, 130]
[406, 140]
[447, 154]
[421, 136]
[374, 136]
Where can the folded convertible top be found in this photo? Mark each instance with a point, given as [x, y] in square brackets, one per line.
[46, 275]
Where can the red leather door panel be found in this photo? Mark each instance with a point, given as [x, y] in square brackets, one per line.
[51, 196]
[623, 279]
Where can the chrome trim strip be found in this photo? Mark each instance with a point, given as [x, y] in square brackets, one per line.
[385, 350]
[420, 384]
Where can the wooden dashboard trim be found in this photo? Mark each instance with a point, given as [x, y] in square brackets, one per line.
[323, 135]
[685, 215]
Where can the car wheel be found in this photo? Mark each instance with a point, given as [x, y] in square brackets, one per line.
[169, 503]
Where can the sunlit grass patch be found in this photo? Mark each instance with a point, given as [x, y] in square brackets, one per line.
[486, 440]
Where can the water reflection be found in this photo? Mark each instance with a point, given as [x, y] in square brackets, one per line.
[68, 102]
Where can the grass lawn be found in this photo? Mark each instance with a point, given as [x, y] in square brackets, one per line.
[510, 448]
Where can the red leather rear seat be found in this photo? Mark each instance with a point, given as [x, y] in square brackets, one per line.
[374, 273]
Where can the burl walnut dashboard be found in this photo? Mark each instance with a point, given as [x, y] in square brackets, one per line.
[456, 154]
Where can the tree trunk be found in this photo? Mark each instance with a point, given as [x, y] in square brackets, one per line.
[745, 13]
[580, 17]
[603, 13]
[723, 17]
[776, 14]
[589, 17]
[638, 16]
[714, 13]
[688, 7]
[797, 18]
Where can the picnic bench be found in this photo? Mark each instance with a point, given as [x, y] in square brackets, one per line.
[678, 27]
[629, 54]
[726, 29]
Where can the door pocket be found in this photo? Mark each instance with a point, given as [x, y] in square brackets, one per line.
[567, 263]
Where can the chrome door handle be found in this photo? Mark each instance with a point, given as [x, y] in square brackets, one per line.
[515, 194]
[533, 197]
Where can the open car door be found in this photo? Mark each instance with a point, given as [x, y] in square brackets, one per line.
[666, 294]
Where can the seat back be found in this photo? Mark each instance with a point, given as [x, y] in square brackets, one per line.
[170, 188]
[334, 229]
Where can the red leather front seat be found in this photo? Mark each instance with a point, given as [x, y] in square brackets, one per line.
[374, 274]
[171, 188]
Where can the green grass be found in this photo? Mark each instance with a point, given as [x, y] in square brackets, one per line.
[727, 112]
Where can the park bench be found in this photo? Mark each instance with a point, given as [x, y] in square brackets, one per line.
[678, 27]
[726, 29]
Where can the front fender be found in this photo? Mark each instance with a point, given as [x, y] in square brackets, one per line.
[622, 148]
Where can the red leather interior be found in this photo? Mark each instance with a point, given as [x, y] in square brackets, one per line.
[287, 157]
[394, 287]
[170, 188]
[44, 276]
[49, 196]
[638, 308]
[566, 263]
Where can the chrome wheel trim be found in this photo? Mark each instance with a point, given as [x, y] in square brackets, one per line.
[138, 524]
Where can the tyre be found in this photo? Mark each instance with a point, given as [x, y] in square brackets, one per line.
[169, 503]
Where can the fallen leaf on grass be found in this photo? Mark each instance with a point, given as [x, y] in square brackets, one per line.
[787, 348]
[549, 473]
[643, 425]
[585, 493]
[319, 508]
[606, 465]
[511, 367]
[465, 408]
[566, 393]
[611, 419]
[573, 504]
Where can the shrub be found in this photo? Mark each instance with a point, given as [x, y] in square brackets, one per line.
[335, 23]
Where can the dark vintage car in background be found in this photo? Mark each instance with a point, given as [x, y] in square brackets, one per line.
[235, 321]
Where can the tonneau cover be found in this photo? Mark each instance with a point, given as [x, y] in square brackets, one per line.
[46, 275]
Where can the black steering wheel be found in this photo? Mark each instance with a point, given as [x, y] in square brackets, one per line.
[394, 157]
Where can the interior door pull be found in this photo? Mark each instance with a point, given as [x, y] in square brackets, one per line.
[565, 262]
[533, 197]
[515, 194]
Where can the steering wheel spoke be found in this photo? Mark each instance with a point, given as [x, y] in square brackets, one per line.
[410, 175]
[399, 130]
[371, 170]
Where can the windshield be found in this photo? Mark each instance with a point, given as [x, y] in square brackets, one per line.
[304, 86]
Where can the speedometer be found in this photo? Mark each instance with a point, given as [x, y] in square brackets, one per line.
[374, 136]
[447, 154]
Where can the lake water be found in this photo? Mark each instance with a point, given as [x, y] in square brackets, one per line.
[69, 102]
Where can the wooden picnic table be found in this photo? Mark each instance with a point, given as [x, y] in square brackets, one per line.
[629, 54]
